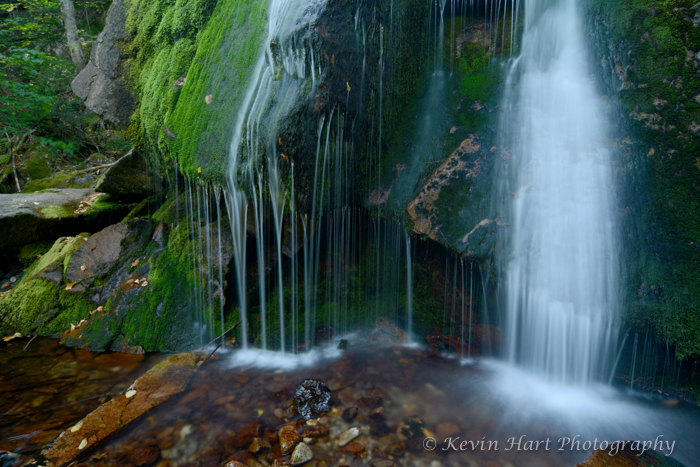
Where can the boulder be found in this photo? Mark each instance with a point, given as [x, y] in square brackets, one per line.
[101, 84]
[163, 381]
[32, 217]
[312, 398]
[129, 177]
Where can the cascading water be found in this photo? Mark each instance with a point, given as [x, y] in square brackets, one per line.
[560, 256]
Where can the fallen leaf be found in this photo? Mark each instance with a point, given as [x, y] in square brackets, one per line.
[93, 248]
[279, 141]
[347, 83]
[209, 99]
[333, 59]
[144, 283]
[83, 443]
[72, 327]
[135, 263]
[77, 427]
[70, 286]
[36, 204]
[100, 308]
[130, 394]
[199, 170]
[285, 157]
[82, 268]
[5, 285]
[14, 336]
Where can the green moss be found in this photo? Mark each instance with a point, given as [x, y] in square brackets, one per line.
[55, 211]
[38, 167]
[29, 253]
[649, 52]
[36, 305]
[60, 180]
[214, 44]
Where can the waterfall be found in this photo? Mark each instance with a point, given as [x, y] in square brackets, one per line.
[559, 257]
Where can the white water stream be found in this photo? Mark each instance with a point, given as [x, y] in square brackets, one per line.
[560, 256]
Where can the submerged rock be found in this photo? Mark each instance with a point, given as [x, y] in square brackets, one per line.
[628, 456]
[288, 437]
[302, 454]
[348, 435]
[166, 379]
[312, 399]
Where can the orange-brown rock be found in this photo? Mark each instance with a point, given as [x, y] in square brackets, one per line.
[166, 379]
[626, 457]
[353, 449]
[288, 437]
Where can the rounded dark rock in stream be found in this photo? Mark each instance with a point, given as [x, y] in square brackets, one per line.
[312, 398]
[350, 413]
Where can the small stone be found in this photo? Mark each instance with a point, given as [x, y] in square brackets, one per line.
[302, 454]
[259, 445]
[13, 279]
[348, 435]
[77, 426]
[371, 402]
[83, 443]
[288, 437]
[350, 413]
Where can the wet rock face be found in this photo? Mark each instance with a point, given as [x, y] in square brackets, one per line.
[312, 399]
[101, 84]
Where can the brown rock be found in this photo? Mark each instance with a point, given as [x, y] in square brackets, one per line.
[97, 255]
[259, 445]
[144, 456]
[353, 449]
[245, 434]
[370, 402]
[396, 449]
[626, 456]
[315, 431]
[288, 437]
[166, 379]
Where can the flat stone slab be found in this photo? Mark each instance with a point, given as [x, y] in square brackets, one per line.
[27, 218]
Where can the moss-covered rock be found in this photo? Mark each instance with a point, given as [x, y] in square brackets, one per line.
[647, 58]
[38, 304]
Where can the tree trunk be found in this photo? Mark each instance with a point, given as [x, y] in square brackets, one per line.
[76, 50]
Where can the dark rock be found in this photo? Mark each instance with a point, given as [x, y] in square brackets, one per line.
[101, 84]
[128, 177]
[343, 344]
[350, 413]
[146, 455]
[312, 399]
[371, 402]
[97, 255]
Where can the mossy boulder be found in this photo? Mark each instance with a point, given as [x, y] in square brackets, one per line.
[73, 179]
[38, 304]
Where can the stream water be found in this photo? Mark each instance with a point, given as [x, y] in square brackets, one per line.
[242, 394]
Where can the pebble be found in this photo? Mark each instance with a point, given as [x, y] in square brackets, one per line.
[302, 454]
[348, 435]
